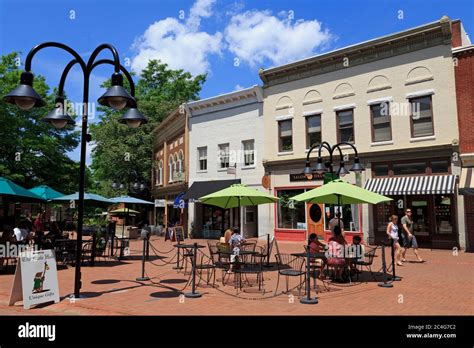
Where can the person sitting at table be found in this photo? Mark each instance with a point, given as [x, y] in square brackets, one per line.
[226, 237]
[22, 235]
[359, 251]
[315, 246]
[335, 253]
[235, 241]
[53, 234]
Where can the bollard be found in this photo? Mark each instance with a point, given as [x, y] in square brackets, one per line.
[267, 265]
[385, 283]
[143, 278]
[193, 293]
[177, 258]
[308, 299]
[94, 241]
[394, 276]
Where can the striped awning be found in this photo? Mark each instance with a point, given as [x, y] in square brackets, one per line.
[413, 185]
[466, 181]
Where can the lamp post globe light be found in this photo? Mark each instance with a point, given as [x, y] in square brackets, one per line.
[116, 97]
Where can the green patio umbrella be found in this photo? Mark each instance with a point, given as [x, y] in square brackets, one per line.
[124, 211]
[340, 192]
[46, 192]
[238, 195]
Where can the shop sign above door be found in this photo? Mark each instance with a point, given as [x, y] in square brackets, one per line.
[302, 177]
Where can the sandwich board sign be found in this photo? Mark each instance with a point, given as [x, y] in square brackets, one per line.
[36, 279]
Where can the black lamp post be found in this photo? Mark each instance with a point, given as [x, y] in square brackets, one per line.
[25, 97]
[322, 168]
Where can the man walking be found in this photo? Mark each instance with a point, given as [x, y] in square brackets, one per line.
[409, 239]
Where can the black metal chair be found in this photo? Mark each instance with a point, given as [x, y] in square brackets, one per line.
[367, 261]
[265, 251]
[220, 261]
[205, 263]
[290, 266]
[248, 264]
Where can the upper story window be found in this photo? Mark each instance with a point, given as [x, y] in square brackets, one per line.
[202, 158]
[224, 154]
[381, 122]
[171, 168]
[285, 132]
[180, 162]
[409, 168]
[159, 174]
[421, 117]
[249, 152]
[313, 130]
[345, 125]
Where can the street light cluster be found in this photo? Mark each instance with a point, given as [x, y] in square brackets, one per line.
[321, 168]
[25, 97]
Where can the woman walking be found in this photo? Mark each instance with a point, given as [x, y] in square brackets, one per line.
[392, 232]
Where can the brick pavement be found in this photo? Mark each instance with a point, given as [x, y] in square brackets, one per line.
[442, 285]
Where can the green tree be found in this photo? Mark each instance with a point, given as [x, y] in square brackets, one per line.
[118, 149]
[33, 152]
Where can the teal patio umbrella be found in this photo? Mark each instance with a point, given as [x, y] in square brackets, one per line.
[46, 192]
[9, 191]
[87, 197]
[238, 195]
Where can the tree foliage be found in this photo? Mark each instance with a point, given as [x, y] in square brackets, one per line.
[33, 152]
[119, 150]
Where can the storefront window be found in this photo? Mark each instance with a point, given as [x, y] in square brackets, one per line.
[444, 221]
[291, 214]
[409, 168]
[439, 167]
[381, 169]
[215, 218]
[350, 216]
[382, 218]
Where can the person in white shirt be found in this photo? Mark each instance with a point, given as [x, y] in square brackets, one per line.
[21, 234]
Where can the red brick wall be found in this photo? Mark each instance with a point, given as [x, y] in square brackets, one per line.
[464, 73]
[456, 34]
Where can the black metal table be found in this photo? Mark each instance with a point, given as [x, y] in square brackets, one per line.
[184, 246]
[309, 255]
[194, 247]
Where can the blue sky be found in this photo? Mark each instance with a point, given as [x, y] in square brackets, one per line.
[229, 40]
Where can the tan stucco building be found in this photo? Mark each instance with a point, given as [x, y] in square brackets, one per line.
[394, 98]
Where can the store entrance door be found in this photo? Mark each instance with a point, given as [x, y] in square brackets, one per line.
[315, 220]
[422, 224]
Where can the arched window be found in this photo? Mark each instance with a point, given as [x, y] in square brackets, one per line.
[159, 175]
[180, 161]
[175, 164]
[171, 169]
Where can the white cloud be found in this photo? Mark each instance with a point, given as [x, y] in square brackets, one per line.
[179, 44]
[200, 9]
[238, 87]
[257, 36]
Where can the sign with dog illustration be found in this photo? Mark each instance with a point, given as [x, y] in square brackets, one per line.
[36, 279]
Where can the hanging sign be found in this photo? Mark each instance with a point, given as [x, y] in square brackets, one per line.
[36, 279]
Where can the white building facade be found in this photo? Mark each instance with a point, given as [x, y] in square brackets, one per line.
[226, 147]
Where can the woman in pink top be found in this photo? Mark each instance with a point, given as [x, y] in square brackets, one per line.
[335, 253]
